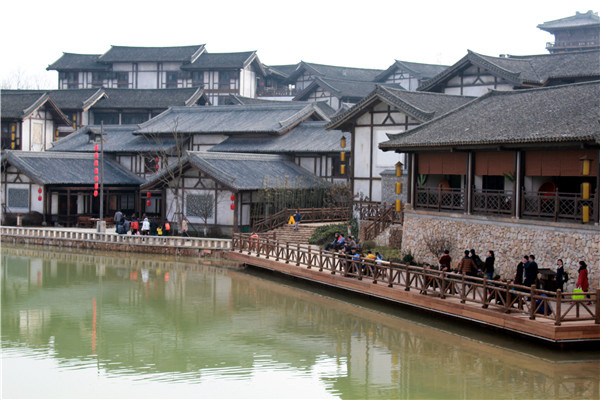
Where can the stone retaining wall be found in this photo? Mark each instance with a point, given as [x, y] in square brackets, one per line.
[509, 240]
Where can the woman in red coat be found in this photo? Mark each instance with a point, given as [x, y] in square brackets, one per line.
[582, 279]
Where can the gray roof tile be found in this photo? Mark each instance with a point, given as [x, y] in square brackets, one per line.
[151, 54]
[78, 62]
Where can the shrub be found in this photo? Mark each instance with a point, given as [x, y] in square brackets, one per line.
[408, 259]
[369, 245]
[325, 233]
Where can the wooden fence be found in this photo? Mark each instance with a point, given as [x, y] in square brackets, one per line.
[505, 296]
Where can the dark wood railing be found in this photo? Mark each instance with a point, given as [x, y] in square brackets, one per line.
[555, 206]
[388, 217]
[308, 215]
[504, 296]
[493, 202]
[440, 198]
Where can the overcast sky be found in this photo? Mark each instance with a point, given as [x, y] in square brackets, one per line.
[368, 34]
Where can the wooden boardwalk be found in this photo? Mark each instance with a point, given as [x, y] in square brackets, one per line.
[550, 316]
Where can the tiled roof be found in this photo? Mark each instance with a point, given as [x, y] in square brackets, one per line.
[78, 62]
[308, 137]
[326, 110]
[419, 70]
[589, 18]
[249, 171]
[149, 98]
[533, 69]
[281, 70]
[335, 72]
[342, 89]
[222, 60]
[67, 99]
[117, 139]
[151, 54]
[554, 114]
[421, 106]
[273, 118]
[55, 168]
[17, 104]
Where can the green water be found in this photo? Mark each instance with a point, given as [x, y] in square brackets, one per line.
[103, 325]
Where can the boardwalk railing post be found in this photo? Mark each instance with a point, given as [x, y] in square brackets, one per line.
[462, 289]
[557, 314]
[320, 260]
[597, 306]
[485, 292]
[297, 254]
[287, 252]
[443, 285]
[310, 258]
[508, 299]
[407, 280]
[267, 247]
[532, 303]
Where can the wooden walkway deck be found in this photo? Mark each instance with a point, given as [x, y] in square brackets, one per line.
[549, 316]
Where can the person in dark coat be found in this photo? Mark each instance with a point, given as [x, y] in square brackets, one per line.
[477, 261]
[560, 275]
[520, 270]
[467, 265]
[531, 271]
[445, 261]
[488, 267]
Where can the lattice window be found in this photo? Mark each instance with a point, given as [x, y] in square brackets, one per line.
[18, 198]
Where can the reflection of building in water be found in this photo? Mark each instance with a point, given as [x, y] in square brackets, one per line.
[197, 320]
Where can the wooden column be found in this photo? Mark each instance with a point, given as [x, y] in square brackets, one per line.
[236, 211]
[414, 165]
[68, 206]
[597, 198]
[409, 181]
[518, 183]
[469, 182]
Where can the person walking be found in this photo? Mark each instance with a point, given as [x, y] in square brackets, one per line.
[297, 218]
[488, 267]
[466, 266]
[478, 263]
[135, 225]
[117, 219]
[560, 275]
[184, 227]
[582, 278]
[145, 226]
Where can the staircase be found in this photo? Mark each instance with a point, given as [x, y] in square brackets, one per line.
[286, 233]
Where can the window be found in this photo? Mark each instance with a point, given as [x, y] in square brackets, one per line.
[336, 165]
[109, 118]
[134, 118]
[198, 78]
[71, 78]
[11, 137]
[172, 79]
[98, 79]
[150, 164]
[224, 78]
[199, 205]
[122, 80]
[18, 198]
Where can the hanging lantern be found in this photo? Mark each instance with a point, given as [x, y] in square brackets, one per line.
[148, 203]
[96, 155]
[95, 186]
[95, 147]
[343, 142]
[157, 160]
[232, 206]
[95, 193]
[343, 156]
[95, 163]
[39, 198]
[399, 168]
[40, 190]
[342, 169]
[156, 166]
[148, 194]
[232, 197]
[96, 178]
[96, 171]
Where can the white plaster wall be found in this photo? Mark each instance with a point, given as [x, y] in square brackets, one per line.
[54, 204]
[147, 76]
[361, 187]
[248, 83]
[120, 67]
[207, 141]
[362, 142]
[382, 159]
[308, 164]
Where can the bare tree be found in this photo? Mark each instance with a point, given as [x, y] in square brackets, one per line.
[20, 79]
[437, 244]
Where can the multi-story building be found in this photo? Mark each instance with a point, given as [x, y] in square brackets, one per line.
[576, 33]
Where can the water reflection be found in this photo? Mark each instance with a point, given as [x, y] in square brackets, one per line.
[237, 333]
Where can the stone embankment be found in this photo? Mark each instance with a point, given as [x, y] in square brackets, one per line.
[509, 241]
[88, 239]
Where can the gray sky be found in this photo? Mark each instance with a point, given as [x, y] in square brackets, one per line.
[368, 34]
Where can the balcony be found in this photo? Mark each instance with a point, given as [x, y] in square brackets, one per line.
[555, 206]
[488, 202]
[441, 199]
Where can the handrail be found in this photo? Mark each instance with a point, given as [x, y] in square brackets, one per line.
[387, 218]
[166, 241]
[308, 215]
[504, 296]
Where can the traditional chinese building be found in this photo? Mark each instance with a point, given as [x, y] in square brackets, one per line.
[512, 171]
[579, 32]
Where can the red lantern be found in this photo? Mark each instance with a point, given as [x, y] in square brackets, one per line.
[96, 171]
[96, 178]
[157, 160]
[148, 194]
[95, 163]
[95, 147]
[232, 197]
[149, 203]
[96, 156]
[157, 166]
[40, 190]
[95, 186]
[39, 198]
[232, 206]
[95, 193]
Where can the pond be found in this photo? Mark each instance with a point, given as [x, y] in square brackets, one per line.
[102, 325]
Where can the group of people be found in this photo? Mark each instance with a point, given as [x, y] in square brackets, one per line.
[144, 226]
[471, 264]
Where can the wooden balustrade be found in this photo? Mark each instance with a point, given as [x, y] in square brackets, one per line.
[504, 296]
[308, 215]
[167, 241]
